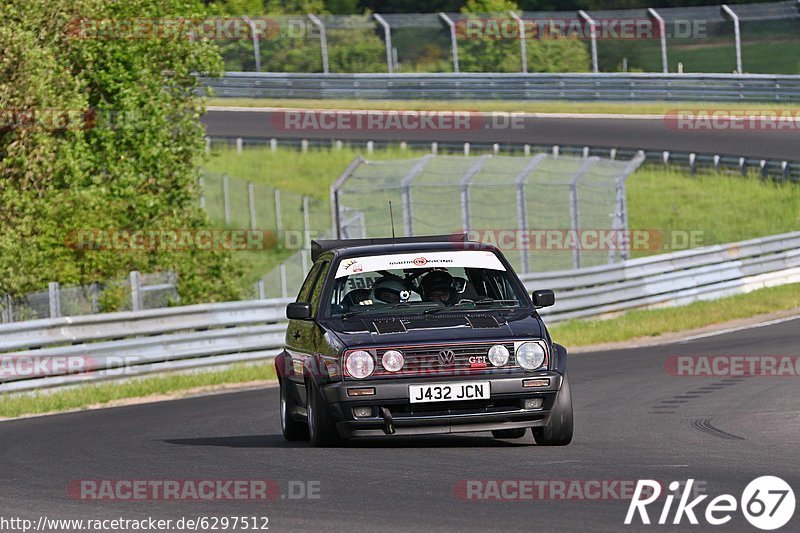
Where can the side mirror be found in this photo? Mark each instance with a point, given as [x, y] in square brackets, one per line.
[298, 311]
[544, 298]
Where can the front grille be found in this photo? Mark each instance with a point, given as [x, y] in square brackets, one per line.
[475, 407]
[425, 361]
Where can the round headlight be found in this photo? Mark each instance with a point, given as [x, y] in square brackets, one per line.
[498, 355]
[392, 360]
[530, 355]
[359, 364]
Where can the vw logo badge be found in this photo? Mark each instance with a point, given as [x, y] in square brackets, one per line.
[447, 357]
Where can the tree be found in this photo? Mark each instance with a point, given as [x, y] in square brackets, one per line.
[126, 159]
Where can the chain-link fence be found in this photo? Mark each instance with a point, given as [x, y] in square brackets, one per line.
[755, 38]
[139, 291]
[539, 209]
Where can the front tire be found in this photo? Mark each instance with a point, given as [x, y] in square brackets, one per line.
[516, 433]
[321, 427]
[558, 431]
[292, 429]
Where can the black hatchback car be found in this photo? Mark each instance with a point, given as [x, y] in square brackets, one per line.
[419, 335]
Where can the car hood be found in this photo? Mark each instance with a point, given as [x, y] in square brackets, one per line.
[363, 331]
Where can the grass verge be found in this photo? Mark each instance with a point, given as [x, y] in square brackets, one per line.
[654, 322]
[509, 106]
[83, 396]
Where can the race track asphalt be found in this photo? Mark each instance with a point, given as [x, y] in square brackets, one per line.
[634, 420]
[654, 133]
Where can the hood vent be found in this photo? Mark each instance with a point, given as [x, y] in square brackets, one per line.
[388, 326]
[483, 322]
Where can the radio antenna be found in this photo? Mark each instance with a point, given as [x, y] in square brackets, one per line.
[391, 217]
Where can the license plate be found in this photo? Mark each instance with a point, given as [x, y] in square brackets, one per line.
[449, 392]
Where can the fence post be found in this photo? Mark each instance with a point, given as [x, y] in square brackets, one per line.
[573, 208]
[387, 33]
[202, 185]
[593, 35]
[453, 41]
[323, 41]
[9, 308]
[262, 292]
[523, 50]
[239, 145]
[251, 196]
[284, 288]
[408, 179]
[226, 199]
[256, 47]
[273, 145]
[54, 293]
[466, 216]
[306, 235]
[737, 35]
[662, 28]
[522, 208]
[136, 291]
[278, 216]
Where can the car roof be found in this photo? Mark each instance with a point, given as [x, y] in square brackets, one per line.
[360, 247]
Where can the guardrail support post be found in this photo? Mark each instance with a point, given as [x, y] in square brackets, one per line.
[323, 41]
[387, 34]
[662, 29]
[262, 292]
[256, 47]
[54, 293]
[9, 308]
[239, 145]
[453, 41]
[284, 289]
[523, 47]
[136, 290]
[737, 35]
[202, 184]
[251, 196]
[226, 200]
[593, 36]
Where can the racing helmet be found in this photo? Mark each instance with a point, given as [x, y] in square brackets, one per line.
[389, 290]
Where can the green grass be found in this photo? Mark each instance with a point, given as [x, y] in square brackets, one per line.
[510, 106]
[720, 208]
[653, 322]
[83, 396]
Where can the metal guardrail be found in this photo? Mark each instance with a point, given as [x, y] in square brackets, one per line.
[776, 169]
[490, 86]
[118, 345]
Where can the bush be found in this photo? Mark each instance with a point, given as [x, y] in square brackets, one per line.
[127, 159]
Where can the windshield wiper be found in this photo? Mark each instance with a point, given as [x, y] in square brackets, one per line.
[370, 308]
[462, 303]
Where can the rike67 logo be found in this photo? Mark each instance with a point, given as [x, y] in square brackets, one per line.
[767, 502]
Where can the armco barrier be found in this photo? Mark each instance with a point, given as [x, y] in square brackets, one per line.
[179, 338]
[488, 86]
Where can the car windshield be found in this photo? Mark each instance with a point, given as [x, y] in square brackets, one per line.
[429, 282]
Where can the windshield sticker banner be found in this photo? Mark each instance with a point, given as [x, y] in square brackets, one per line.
[459, 259]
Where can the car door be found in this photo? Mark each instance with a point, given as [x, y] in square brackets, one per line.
[302, 335]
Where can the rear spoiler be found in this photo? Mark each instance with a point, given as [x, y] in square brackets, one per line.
[320, 247]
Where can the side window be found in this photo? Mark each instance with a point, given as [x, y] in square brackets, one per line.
[317, 289]
[305, 290]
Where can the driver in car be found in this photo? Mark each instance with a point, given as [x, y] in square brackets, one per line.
[438, 286]
[387, 291]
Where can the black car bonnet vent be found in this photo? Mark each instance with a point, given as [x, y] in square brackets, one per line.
[388, 326]
[483, 322]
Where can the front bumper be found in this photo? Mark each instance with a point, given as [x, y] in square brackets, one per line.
[504, 409]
